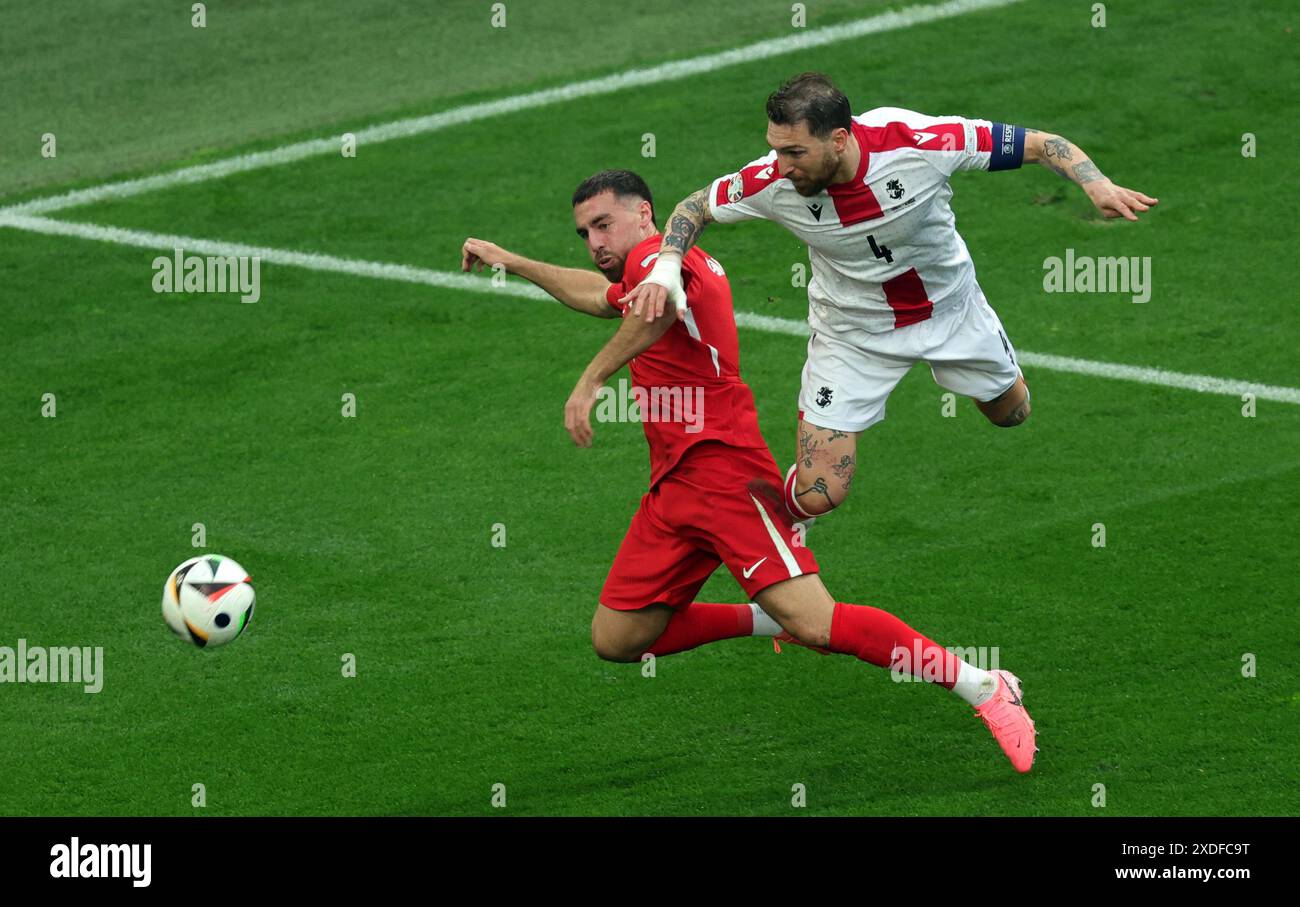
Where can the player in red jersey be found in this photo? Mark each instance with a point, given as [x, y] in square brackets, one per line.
[715, 491]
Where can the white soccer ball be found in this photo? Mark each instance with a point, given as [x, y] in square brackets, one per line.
[208, 600]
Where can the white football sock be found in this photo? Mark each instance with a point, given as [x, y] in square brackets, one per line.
[973, 685]
[764, 625]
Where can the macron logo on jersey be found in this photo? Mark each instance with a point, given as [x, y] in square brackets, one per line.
[923, 137]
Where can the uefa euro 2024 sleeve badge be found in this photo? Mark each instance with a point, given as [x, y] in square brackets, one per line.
[736, 189]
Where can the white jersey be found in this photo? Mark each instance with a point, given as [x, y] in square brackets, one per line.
[884, 247]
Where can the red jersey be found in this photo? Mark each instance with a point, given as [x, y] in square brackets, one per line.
[688, 383]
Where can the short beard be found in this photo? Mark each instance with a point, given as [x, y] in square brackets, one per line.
[831, 163]
[812, 189]
[614, 274]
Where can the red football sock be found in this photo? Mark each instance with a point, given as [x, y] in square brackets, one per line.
[880, 638]
[701, 622]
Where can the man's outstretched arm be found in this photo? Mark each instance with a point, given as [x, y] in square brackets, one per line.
[581, 290]
[1071, 162]
[632, 338]
[664, 281]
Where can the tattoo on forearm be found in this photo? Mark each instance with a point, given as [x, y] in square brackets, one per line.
[697, 204]
[681, 233]
[1056, 151]
[687, 220]
[1057, 147]
[1087, 172]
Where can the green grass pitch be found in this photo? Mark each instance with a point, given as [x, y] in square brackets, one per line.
[373, 535]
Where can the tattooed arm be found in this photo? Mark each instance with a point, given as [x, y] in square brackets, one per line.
[1070, 161]
[664, 281]
[685, 224]
[827, 459]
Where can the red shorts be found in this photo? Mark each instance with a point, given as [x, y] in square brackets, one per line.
[718, 505]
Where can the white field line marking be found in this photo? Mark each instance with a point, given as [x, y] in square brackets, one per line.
[308, 260]
[398, 129]
[1204, 384]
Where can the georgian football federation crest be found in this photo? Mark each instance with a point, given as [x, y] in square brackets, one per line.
[824, 395]
[736, 189]
[895, 189]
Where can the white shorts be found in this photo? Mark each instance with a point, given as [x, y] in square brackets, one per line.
[845, 385]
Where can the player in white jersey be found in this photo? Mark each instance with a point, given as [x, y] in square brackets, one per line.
[892, 281]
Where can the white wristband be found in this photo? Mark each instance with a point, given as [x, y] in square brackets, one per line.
[667, 273]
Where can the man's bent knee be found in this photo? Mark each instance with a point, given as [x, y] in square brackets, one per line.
[816, 493]
[1009, 409]
[609, 646]
[1016, 416]
[827, 460]
[615, 637]
[619, 654]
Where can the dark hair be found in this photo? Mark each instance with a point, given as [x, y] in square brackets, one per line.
[622, 183]
[811, 98]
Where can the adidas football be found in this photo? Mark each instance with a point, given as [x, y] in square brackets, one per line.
[208, 600]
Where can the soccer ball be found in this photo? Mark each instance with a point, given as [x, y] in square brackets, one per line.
[208, 600]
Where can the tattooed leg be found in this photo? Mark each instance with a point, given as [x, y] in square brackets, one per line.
[817, 490]
[1011, 408]
[826, 462]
